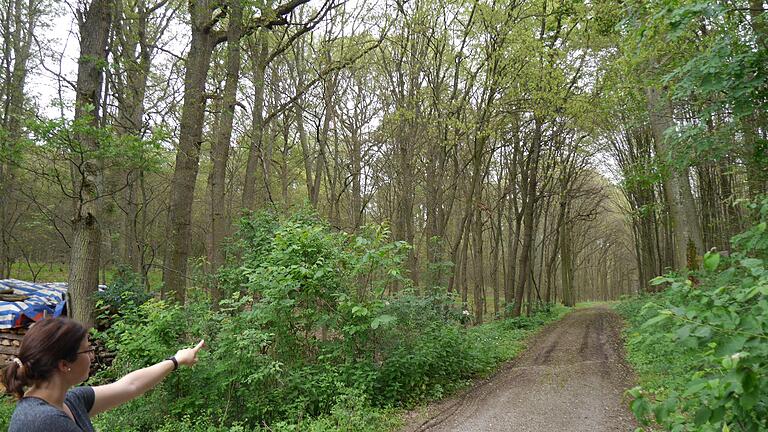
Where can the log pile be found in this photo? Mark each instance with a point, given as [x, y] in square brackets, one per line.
[10, 340]
[104, 357]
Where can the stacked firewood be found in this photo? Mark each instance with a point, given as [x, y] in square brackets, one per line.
[104, 357]
[10, 340]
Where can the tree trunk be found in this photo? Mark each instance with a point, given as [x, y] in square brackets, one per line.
[677, 187]
[259, 54]
[477, 252]
[84, 255]
[132, 35]
[219, 223]
[356, 210]
[329, 86]
[566, 263]
[183, 183]
[495, 252]
[18, 32]
[528, 211]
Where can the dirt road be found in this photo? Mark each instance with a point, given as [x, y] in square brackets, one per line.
[572, 378]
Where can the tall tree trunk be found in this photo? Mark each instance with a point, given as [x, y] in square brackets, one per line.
[94, 26]
[477, 255]
[495, 252]
[18, 27]
[566, 263]
[677, 187]
[259, 55]
[528, 211]
[356, 210]
[132, 35]
[329, 86]
[183, 183]
[219, 224]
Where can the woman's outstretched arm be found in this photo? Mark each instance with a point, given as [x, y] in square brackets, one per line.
[139, 381]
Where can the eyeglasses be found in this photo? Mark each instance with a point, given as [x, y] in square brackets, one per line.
[90, 351]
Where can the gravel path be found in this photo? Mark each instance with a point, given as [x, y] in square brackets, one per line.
[572, 378]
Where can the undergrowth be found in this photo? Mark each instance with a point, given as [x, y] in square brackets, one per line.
[6, 409]
[308, 338]
[352, 409]
[700, 347]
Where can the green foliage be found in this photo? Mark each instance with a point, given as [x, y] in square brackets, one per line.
[306, 339]
[711, 56]
[55, 139]
[351, 412]
[7, 406]
[710, 341]
[145, 334]
[124, 292]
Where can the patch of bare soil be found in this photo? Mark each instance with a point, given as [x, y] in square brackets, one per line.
[572, 378]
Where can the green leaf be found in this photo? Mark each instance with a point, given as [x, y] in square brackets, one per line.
[359, 311]
[655, 320]
[695, 387]
[683, 332]
[717, 415]
[382, 320]
[703, 332]
[732, 345]
[752, 263]
[702, 415]
[749, 400]
[711, 261]
[661, 280]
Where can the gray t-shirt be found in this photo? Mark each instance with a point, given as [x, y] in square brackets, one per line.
[36, 415]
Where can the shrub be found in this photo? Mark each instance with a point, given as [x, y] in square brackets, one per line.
[720, 325]
[305, 340]
[7, 405]
[123, 294]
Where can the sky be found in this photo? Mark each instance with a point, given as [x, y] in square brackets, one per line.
[61, 49]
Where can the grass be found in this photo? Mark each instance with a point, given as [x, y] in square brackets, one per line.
[6, 409]
[503, 340]
[40, 272]
[59, 272]
[662, 366]
[589, 304]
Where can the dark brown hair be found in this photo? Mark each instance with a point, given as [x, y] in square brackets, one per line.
[45, 344]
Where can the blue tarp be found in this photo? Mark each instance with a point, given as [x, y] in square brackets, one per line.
[45, 300]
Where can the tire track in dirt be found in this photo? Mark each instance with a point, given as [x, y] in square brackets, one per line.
[572, 378]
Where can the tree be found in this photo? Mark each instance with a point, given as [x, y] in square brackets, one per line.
[94, 24]
[19, 22]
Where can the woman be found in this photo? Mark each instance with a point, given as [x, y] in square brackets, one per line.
[54, 356]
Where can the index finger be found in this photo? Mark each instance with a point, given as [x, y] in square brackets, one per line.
[199, 345]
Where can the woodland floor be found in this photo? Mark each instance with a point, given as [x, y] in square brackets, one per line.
[571, 378]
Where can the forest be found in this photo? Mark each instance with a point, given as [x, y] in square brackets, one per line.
[362, 205]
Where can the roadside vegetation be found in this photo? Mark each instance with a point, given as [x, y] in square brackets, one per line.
[700, 347]
[305, 339]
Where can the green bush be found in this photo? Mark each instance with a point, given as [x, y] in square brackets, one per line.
[306, 338]
[7, 405]
[712, 327]
[125, 292]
